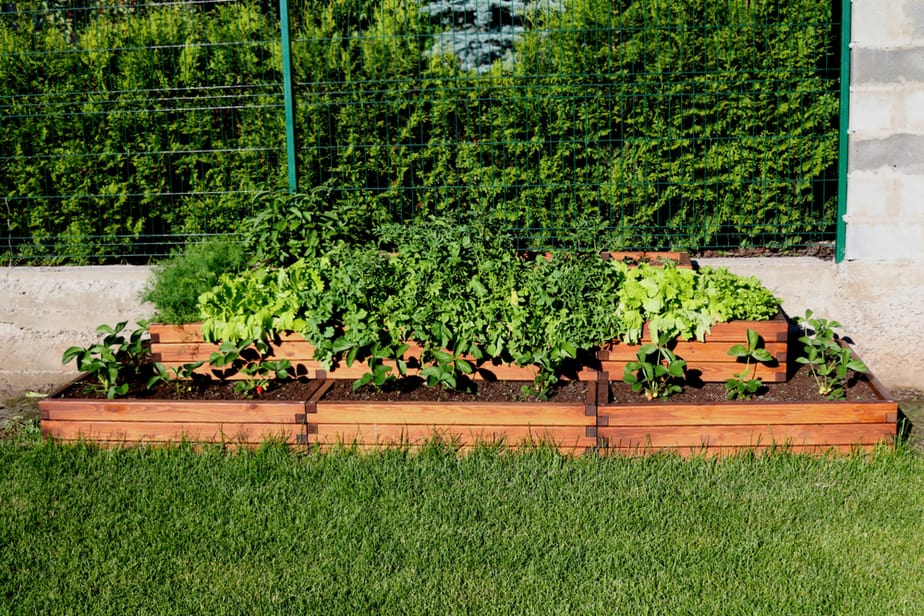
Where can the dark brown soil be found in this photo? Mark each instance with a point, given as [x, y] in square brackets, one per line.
[821, 250]
[800, 387]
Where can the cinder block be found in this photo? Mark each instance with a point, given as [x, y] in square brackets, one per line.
[872, 110]
[871, 195]
[910, 199]
[914, 109]
[902, 152]
[870, 66]
[881, 23]
[888, 240]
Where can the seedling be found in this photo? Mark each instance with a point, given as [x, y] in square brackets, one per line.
[261, 373]
[745, 384]
[656, 370]
[829, 362]
[180, 376]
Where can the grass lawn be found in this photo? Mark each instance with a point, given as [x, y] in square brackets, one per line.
[85, 530]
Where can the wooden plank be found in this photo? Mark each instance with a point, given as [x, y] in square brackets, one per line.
[163, 432]
[747, 435]
[691, 351]
[134, 410]
[453, 413]
[745, 413]
[710, 372]
[461, 435]
[733, 332]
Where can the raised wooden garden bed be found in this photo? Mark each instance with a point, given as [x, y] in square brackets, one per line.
[175, 345]
[244, 422]
[593, 424]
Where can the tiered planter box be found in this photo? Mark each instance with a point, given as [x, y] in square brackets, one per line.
[175, 345]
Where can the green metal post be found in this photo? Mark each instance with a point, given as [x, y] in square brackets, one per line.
[840, 245]
[289, 98]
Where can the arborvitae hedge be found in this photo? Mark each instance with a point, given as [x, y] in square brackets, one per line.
[645, 123]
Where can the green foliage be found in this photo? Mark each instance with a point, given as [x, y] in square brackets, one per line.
[829, 361]
[743, 386]
[640, 124]
[180, 377]
[112, 359]
[177, 283]
[457, 290]
[657, 370]
[285, 228]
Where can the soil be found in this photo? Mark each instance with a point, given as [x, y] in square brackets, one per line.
[821, 250]
[800, 387]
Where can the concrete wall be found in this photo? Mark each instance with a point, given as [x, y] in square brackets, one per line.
[885, 182]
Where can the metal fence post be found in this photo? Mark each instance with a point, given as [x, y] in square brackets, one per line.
[287, 90]
[840, 247]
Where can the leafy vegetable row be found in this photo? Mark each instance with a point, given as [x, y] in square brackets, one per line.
[458, 290]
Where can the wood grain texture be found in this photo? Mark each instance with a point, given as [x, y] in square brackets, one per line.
[171, 432]
[746, 435]
[412, 434]
[745, 413]
[453, 413]
[708, 372]
[262, 411]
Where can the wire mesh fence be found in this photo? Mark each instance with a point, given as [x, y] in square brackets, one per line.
[129, 128]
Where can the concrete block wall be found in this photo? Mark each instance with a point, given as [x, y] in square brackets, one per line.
[885, 181]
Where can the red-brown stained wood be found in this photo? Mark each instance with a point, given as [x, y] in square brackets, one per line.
[396, 434]
[453, 413]
[167, 432]
[744, 413]
[746, 435]
[177, 345]
[715, 372]
[692, 351]
[130, 410]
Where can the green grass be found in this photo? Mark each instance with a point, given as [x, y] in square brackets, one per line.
[172, 531]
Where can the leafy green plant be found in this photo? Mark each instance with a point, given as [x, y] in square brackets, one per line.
[112, 359]
[180, 377]
[177, 283]
[656, 370]
[260, 375]
[744, 385]
[829, 362]
[287, 227]
[446, 370]
[249, 358]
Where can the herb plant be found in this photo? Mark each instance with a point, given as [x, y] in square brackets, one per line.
[744, 385]
[656, 370]
[829, 362]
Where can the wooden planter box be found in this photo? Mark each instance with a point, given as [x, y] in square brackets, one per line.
[571, 427]
[596, 424]
[175, 345]
[137, 421]
[730, 427]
